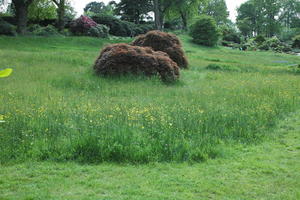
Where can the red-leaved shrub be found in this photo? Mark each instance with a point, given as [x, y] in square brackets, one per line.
[82, 25]
[119, 59]
[161, 41]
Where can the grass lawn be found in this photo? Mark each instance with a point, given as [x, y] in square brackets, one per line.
[216, 134]
[268, 171]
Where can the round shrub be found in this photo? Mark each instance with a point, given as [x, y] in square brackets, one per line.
[161, 41]
[204, 31]
[7, 28]
[120, 59]
[296, 42]
[100, 30]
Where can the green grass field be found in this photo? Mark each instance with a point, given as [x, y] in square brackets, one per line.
[215, 134]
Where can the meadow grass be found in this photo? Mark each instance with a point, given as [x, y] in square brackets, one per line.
[55, 108]
[270, 170]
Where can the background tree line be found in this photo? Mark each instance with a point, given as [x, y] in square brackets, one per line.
[255, 17]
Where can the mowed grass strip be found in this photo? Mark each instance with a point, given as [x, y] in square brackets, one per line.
[55, 108]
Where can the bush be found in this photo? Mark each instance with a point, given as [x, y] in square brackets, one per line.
[121, 28]
[204, 31]
[259, 39]
[296, 42]
[168, 43]
[7, 28]
[116, 26]
[120, 59]
[99, 31]
[44, 31]
[274, 44]
[229, 34]
[82, 25]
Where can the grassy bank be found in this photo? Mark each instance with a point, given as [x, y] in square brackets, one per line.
[55, 108]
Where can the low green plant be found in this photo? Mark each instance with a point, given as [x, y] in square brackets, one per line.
[217, 67]
[45, 31]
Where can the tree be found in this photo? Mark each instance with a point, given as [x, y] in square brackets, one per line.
[21, 9]
[133, 10]
[289, 13]
[271, 11]
[215, 8]
[42, 9]
[94, 8]
[250, 18]
[61, 6]
[160, 8]
[185, 9]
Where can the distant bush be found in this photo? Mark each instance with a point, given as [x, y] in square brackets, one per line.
[122, 28]
[7, 28]
[120, 59]
[229, 34]
[259, 39]
[274, 44]
[268, 44]
[82, 25]
[168, 43]
[296, 42]
[44, 31]
[100, 30]
[204, 31]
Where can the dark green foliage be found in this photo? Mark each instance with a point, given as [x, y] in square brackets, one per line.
[100, 30]
[7, 28]
[260, 39]
[44, 31]
[134, 10]
[121, 28]
[287, 35]
[217, 9]
[204, 31]
[296, 42]
[229, 34]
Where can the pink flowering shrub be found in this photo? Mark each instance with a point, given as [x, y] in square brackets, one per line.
[82, 25]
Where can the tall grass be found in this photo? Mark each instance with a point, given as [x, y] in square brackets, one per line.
[56, 108]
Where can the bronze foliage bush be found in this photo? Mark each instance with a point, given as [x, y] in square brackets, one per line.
[119, 59]
[161, 41]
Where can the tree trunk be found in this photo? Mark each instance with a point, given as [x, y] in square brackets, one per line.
[184, 20]
[158, 17]
[61, 15]
[22, 18]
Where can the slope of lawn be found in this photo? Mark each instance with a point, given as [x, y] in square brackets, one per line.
[270, 170]
[55, 108]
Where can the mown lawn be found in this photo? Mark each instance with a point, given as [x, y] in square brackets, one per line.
[63, 123]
